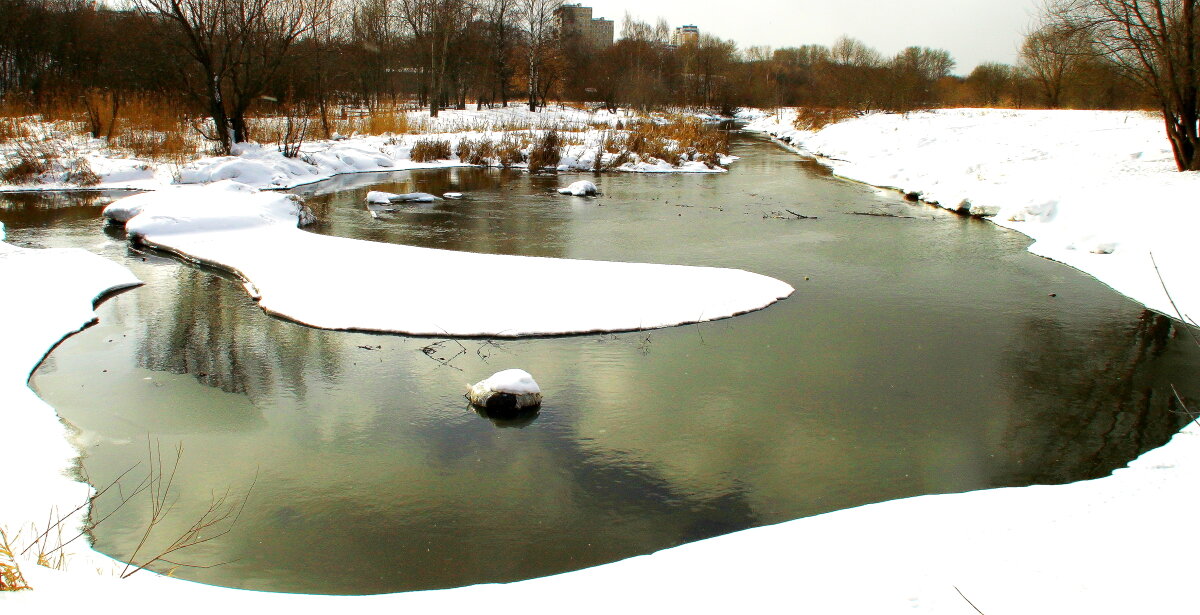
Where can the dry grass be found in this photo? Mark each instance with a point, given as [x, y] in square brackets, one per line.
[511, 149]
[546, 151]
[816, 118]
[430, 150]
[481, 151]
[11, 579]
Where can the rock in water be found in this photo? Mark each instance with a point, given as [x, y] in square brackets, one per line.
[512, 389]
[580, 188]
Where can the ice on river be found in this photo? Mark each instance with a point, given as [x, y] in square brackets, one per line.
[349, 284]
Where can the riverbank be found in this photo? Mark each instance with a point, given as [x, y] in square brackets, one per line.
[1039, 550]
[1097, 190]
[61, 156]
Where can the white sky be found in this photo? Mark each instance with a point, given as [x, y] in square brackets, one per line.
[973, 31]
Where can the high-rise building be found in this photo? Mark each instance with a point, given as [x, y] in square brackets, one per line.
[685, 34]
[576, 20]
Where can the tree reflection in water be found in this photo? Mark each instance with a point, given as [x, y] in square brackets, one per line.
[1080, 408]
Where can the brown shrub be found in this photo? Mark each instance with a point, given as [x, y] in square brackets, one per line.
[429, 150]
[509, 150]
[816, 118]
[479, 151]
[546, 151]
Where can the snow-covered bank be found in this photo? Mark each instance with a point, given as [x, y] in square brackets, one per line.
[46, 295]
[348, 284]
[263, 166]
[1097, 190]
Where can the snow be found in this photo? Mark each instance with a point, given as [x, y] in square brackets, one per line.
[580, 188]
[1097, 190]
[46, 295]
[516, 385]
[1115, 545]
[328, 282]
[515, 381]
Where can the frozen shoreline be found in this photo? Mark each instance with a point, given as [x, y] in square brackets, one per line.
[1096, 190]
[1102, 546]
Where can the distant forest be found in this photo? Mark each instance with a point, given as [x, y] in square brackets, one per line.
[226, 59]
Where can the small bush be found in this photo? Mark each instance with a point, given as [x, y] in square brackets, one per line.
[78, 172]
[479, 151]
[509, 150]
[29, 162]
[430, 150]
[546, 151]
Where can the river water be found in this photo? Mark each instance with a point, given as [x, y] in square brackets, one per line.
[921, 353]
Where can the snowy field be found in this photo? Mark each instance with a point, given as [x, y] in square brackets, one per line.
[1097, 190]
[1111, 545]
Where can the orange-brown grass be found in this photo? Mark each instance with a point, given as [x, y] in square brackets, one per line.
[429, 150]
[816, 118]
[11, 579]
[479, 151]
[511, 149]
[546, 152]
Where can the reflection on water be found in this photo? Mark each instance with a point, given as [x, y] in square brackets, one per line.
[919, 355]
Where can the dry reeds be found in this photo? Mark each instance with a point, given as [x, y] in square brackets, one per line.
[11, 578]
[510, 150]
[546, 151]
[479, 152]
[430, 150]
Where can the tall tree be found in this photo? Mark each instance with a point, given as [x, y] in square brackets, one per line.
[1156, 43]
[238, 46]
[538, 24]
[436, 25]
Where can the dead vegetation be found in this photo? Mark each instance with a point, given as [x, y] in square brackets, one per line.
[430, 150]
[11, 577]
[816, 118]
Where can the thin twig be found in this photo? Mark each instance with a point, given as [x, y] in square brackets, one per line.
[964, 597]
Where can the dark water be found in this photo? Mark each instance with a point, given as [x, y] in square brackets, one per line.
[919, 355]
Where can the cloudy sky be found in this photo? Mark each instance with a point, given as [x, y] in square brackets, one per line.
[973, 31]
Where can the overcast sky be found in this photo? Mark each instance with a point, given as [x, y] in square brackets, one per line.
[973, 31]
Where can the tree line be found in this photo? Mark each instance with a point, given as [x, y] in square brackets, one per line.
[224, 60]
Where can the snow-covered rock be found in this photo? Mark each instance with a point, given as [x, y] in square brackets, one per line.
[512, 389]
[580, 188]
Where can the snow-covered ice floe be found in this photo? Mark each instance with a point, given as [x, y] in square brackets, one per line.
[349, 284]
[1097, 190]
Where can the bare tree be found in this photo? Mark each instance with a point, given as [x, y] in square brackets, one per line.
[1156, 43]
[499, 16]
[541, 34]
[1049, 55]
[239, 47]
[436, 25]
